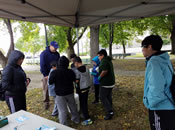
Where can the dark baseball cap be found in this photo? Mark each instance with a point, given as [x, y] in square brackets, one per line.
[54, 44]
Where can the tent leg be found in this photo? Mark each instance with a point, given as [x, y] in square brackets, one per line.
[46, 35]
[77, 34]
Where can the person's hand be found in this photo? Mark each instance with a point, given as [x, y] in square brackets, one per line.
[28, 80]
[99, 78]
[46, 77]
[92, 73]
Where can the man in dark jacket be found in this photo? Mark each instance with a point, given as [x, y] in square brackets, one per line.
[63, 79]
[46, 58]
[107, 82]
[14, 82]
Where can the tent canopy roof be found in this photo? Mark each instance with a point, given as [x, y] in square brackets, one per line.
[75, 13]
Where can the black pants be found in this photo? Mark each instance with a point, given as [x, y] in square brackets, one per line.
[162, 119]
[96, 86]
[83, 97]
[16, 103]
[106, 98]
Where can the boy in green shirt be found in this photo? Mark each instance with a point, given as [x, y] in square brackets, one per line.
[107, 82]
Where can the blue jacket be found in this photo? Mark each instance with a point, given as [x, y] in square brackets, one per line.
[158, 78]
[46, 57]
[95, 72]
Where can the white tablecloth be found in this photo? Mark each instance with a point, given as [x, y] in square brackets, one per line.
[30, 121]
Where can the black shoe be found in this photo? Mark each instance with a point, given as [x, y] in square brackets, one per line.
[47, 106]
[109, 116]
[95, 102]
[54, 114]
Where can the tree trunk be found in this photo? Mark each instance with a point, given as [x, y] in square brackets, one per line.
[124, 49]
[9, 27]
[70, 50]
[94, 40]
[3, 58]
[173, 37]
[111, 38]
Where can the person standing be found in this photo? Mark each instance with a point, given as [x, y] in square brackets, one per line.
[94, 73]
[49, 55]
[63, 79]
[51, 89]
[107, 82]
[15, 83]
[158, 76]
[82, 87]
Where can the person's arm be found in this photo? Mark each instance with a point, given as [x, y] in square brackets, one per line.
[43, 67]
[7, 77]
[104, 71]
[52, 77]
[102, 74]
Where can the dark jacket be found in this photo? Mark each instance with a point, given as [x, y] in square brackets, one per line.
[46, 57]
[63, 78]
[109, 78]
[13, 76]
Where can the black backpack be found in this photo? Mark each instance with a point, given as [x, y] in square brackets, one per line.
[172, 87]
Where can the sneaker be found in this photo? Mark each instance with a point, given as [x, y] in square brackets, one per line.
[95, 102]
[87, 122]
[76, 122]
[109, 116]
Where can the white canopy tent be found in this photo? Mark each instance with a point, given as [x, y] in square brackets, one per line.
[77, 13]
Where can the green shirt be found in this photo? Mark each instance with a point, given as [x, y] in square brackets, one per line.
[109, 78]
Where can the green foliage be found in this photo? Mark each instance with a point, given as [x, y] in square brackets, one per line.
[30, 41]
[58, 34]
[124, 32]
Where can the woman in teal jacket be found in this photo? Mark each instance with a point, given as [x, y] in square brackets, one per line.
[157, 97]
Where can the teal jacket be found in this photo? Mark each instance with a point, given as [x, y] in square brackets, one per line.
[157, 95]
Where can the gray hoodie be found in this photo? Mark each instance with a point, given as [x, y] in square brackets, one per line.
[82, 74]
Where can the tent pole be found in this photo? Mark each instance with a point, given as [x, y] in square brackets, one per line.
[46, 35]
[77, 33]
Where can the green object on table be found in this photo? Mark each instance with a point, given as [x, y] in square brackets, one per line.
[3, 121]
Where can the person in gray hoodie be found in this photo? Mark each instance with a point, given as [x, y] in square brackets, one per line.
[83, 85]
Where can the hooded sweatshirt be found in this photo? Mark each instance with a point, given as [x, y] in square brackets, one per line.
[82, 74]
[95, 70]
[13, 76]
[157, 95]
[63, 78]
[109, 79]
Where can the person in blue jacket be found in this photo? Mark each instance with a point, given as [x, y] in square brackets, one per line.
[96, 62]
[157, 97]
[49, 55]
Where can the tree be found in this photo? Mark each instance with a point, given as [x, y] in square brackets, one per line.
[94, 40]
[161, 25]
[30, 41]
[3, 58]
[107, 36]
[65, 36]
[124, 33]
